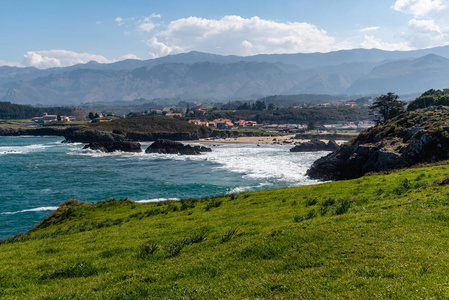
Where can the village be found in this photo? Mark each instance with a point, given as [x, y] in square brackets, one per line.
[219, 123]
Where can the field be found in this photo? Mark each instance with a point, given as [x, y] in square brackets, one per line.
[380, 236]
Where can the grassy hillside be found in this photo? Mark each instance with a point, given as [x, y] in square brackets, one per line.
[382, 236]
[148, 125]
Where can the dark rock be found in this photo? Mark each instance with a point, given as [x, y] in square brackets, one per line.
[315, 145]
[418, 137]
[115, 146]
[172, 147]
[202, 149]
[92, 136]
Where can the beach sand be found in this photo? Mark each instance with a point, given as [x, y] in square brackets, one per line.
[285, 140]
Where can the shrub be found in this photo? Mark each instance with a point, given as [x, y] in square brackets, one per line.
[311, 202]
[197, 237]
[174, 248]
[343, 207]
[228, 234]
[213, 203]
[148, 249]
[298, 219]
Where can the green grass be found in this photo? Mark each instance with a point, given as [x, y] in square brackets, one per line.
[381, 236]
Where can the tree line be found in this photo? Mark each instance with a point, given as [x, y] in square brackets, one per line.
[9, 110]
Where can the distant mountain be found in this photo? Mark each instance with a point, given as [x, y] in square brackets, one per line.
[204, 76]
[244, 80]
[405, 76]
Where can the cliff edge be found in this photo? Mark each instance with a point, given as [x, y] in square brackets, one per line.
[420, 136]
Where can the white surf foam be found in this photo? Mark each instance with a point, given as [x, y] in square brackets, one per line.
[157, 200]
[22, 149]
[45, 208]
[267, 162]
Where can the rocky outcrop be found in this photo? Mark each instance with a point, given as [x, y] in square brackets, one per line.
[92, 136]
[417, 137]
[115, 146]
[172, 147]
[40, 131]
[315, 145]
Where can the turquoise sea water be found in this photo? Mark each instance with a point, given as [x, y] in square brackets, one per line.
[39, 173]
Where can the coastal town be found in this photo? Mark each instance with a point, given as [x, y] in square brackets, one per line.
[199, 117]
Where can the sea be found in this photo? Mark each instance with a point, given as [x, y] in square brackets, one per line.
[39, 173]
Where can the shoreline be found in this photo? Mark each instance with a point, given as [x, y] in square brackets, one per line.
[281, 140]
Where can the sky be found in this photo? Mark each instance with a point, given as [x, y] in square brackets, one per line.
[51, 33]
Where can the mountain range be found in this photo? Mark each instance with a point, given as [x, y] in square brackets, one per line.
[204, 76]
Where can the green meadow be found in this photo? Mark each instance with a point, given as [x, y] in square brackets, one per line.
[380, 236]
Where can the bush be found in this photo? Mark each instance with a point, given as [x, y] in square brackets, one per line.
[197, 237]
[228, 234]
[213, 203]
[148, 249]
[343, 207]
[174, 248]
[311, 202]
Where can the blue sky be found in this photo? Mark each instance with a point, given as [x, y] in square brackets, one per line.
[52, 33]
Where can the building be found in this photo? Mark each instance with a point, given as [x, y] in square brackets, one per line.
[446, 91]
[223, 123]
[172, 115]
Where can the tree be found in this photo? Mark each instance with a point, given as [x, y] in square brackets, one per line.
[387, 106]
[271, 106]
[91, 115]
[259, 105]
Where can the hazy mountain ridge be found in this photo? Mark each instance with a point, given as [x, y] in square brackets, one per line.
[204, 76]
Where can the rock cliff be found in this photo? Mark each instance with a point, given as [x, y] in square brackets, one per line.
[417, 137]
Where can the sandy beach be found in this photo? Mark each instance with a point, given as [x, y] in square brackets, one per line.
[285, 139]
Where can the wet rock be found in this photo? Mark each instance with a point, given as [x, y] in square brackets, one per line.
[115, 146]
[172, 147]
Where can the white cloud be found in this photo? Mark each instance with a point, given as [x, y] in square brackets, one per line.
[370, 42]
[119, 20]
[240, 36]
[128, 56]
[419, 7]
[372, 28]
[148, 26]
[429, 26]
[10, 63]
[63, 58]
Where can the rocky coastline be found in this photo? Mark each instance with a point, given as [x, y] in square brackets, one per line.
[414, 138]
[315, 145]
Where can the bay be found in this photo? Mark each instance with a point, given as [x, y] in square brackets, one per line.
[39, 173]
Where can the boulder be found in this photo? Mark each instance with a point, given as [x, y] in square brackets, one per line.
[315, 145]
[115, 146]
[172, 147]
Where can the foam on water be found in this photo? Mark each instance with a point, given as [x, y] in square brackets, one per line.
[157, 200]
[22, 149]
[46, 208]
[267, 162]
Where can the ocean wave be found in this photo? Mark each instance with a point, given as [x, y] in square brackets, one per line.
[22, 149]
[157, 200]
[45, 208]
[267, 162]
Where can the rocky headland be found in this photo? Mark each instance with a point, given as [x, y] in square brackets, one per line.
[315, 145]
[420, 136]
